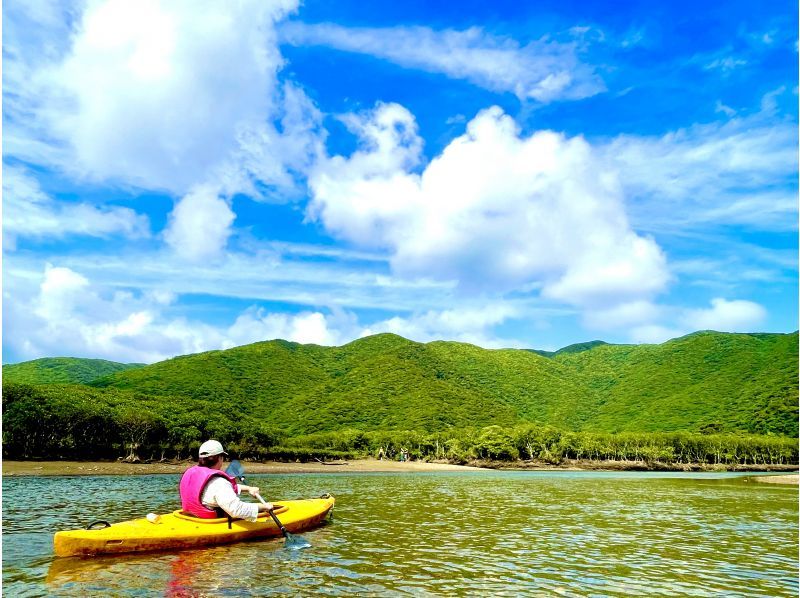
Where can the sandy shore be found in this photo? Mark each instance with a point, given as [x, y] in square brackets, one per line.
[778, 479]
[21, 468]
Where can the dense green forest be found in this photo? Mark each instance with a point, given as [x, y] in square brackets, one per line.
[77, 422]
[63, 370]
[707, 397]
[576, 348]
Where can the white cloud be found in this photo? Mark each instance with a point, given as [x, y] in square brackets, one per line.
[144, 93]
[278, 153]
[35, 34]
[494, 211]
[654, 333]
[61, 292]
[623, 315]
[726, 316]
[65, 314]
[742, 171]
[62, 312]
[724, 64]
[306, 327]
[468, 325]
[361, 197]
[726, 110]
[200, 224]
[634, 37]
[274, 274]
[544, 70]
[28, 212]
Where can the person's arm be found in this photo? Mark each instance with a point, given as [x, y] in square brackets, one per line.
[219, 493]
[254, 491]
[251, 490]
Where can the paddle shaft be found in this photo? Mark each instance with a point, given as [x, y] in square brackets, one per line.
[274, 517]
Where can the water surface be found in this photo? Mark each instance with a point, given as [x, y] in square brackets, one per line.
[429, 534]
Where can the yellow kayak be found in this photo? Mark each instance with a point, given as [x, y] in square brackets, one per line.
[176, 530]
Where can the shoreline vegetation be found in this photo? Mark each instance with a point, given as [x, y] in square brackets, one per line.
[13, 468]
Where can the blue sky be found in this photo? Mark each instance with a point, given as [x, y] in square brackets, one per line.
[187, 176]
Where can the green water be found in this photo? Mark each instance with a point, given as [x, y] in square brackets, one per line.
[442, 534]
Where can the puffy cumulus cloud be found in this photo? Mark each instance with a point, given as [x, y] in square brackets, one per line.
[494, 211]
[312, 327]
[28, 212]
[64, 313]
[726, 316]
[624, 267]
[144, 93]
[370, 195]
[200, 224]
[545, 70]
[658, 324]
[469, 325]
[62, 291]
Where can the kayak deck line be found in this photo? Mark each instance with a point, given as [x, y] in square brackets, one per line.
[279, 508]
[177, 530]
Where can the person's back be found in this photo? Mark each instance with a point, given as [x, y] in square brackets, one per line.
[208, 492]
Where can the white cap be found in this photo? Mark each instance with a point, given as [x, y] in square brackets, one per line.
[210, 448]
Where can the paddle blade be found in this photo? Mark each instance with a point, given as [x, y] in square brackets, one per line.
[235, 470]
[295, 542]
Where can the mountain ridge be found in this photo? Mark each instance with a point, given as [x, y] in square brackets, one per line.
[701, 381]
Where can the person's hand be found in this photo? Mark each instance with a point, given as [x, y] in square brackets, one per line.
[266, 506]
[253, 491]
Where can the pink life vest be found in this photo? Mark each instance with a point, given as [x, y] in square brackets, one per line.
[193, 482]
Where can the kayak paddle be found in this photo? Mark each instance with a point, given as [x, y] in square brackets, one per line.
[236, 470]
[290, 541]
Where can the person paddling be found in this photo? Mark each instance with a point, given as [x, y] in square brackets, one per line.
[208, 492]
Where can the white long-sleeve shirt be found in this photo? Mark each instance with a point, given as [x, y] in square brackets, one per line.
[219, 493]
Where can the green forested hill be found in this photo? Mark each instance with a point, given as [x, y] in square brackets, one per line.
[706, 381]
[576, 348]
[62, 370]
[692, 399]
[380, 382]
[702, 382]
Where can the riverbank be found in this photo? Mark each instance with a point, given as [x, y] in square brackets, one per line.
[600, 465]
[793, 479]
[48, 468]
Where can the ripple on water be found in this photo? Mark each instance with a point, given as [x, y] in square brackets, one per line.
[488, 533]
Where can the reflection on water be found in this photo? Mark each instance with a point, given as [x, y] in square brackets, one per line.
[498, 533]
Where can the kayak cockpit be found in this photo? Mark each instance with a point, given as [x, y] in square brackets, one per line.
[183, 515]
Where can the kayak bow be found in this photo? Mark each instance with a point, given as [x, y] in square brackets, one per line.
[176, 530]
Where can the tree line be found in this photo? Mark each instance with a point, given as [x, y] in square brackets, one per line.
[75, 422]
